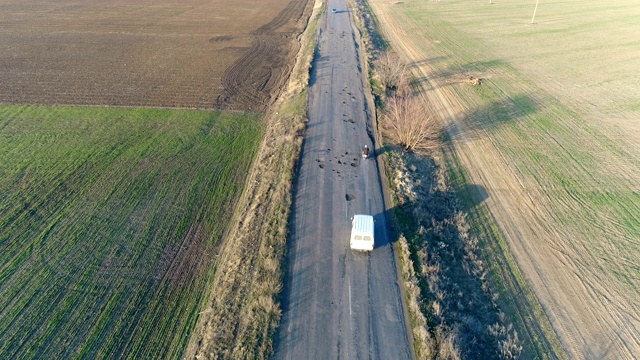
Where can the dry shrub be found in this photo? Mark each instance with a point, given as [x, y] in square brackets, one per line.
[406, 123]
[452, 278]
[510, 346]
[391, 71]
[424, 344]
[448, 349]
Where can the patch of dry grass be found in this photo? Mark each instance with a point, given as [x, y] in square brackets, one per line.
[424, 345]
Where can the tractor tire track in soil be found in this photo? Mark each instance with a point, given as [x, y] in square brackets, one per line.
[253, 80]
[126, 54]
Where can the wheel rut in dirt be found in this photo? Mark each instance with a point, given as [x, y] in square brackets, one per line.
[253, 80]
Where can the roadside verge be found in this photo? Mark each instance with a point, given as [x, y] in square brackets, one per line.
[242, 311]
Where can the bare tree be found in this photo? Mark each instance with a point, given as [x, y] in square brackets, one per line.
[407, 123]
[391, 70]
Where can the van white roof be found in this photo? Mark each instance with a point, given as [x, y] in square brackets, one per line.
[363, 224]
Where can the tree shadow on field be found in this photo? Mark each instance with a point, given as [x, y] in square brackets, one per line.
[431, 60]
[472, 195]
[488, 118]
[498, 109]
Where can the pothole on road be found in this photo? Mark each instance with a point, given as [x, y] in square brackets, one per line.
[350, 197]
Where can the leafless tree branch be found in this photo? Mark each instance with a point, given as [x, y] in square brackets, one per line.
[406, 122]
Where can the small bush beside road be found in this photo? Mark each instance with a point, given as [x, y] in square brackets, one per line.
[406, 122]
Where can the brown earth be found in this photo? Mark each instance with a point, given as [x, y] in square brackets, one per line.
[560, 169]
[168, 53]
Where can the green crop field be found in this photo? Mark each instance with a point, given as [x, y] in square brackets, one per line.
[109, 221]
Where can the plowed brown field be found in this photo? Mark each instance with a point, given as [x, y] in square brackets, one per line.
[167, 53]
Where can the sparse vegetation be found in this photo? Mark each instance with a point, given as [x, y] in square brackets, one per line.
[243, 312]
[463, 316]
[110, 220]
[406, 122]
[423, 343]
[453, 309]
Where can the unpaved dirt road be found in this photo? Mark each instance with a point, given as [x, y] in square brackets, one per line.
[339, 304]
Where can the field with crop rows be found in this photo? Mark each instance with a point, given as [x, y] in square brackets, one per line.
[109, 225]
[546, 144]
[168, 53]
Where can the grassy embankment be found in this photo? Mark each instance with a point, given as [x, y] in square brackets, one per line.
[109, 224]
[243, 313]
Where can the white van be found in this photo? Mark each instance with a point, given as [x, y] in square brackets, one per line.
[362, 233]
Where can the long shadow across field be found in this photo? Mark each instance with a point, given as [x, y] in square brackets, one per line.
[499, 111]
[491, 117]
